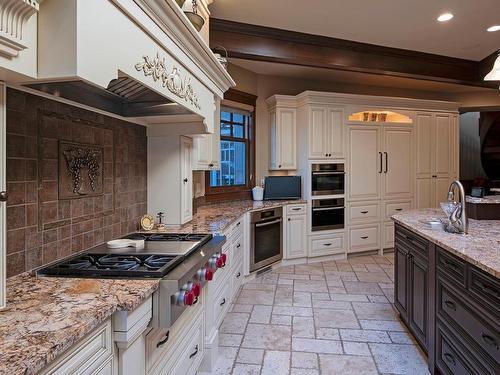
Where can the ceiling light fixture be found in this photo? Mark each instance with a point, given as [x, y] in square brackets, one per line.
[445, 17]
[493, 28]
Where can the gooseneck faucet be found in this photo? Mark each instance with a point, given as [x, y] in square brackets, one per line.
[458, 217]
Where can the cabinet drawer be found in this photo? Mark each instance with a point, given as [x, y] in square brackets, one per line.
[411, 241]
[192, 352]
[451, 266]
[237, 277]
[161, 344]
[364, 238]
[238, 248]
[220, 303]
[222, 273]
[396, 208]
[451, 307]
[451, 359]
[366, 212]
[327, 245]
[485, 287]
[295, 209]
[88, 356]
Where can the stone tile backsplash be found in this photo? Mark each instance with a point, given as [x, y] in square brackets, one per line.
[40, 227]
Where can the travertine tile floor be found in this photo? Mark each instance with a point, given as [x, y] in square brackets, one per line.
[324, 318]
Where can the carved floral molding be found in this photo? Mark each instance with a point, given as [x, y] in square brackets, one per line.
[14, 14]
[156, 68]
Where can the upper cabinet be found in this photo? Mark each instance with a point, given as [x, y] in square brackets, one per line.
[325, 132]
[283, 128]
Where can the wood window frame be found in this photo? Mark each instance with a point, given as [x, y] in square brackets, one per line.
[222, 193]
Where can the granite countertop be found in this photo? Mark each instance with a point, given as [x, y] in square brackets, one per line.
[214, 218]
[488, 199]
[45, 315]
[480, 247]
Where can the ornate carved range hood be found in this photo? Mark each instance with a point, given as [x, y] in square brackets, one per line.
[139, 59]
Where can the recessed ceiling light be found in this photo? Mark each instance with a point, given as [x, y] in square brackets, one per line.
[493, 28]
[445, 17]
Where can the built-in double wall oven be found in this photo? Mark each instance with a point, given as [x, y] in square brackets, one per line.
[327, 193]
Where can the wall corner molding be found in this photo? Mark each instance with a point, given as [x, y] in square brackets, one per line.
[14, 14]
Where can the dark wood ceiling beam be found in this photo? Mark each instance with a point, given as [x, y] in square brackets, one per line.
[267, 44]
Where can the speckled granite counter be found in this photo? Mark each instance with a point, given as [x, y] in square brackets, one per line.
[45, 316]
[488, 199]
[481, 246]
[214, 218]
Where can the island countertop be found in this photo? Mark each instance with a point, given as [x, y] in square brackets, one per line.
[480, 247]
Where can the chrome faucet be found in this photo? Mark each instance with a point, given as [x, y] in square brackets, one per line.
[458, 217]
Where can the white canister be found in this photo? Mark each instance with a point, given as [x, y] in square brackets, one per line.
[258, 193]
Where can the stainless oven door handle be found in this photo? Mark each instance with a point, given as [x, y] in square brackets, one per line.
[327, 173]
[327, 208]
[268, 223]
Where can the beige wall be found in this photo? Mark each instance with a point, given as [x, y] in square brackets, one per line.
[265, 86]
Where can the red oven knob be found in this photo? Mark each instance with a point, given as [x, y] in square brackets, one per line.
[184, 298]
[205, 274]
[195, 288]
[188, 298]
[219, 262]
[224, 259]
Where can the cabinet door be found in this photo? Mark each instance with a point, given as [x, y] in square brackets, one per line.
[417, 313]
[336, 133]
[443, 150]
[398, 177]
[202, 152]
[441, 185]
[295, 245]
[424, 195]
[318, 133]
[186, 180]
[3, 244]
[400, 281]
[287, 144]
[365, 166]
[424, 137]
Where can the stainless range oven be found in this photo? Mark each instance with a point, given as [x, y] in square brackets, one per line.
[266, 233]
[327, 179]
[327, 214]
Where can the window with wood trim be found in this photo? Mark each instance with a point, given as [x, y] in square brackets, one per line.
[236, 176]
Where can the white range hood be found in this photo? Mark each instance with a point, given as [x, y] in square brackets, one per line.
[139, 59]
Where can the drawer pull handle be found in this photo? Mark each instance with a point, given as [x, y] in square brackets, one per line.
[398, 209]
[223, 302]
[194, 353]
[238, 223]
[450, 305]
[327, 244]
[296, 209]
[238, 246]
[162, 342]
[238, 274]
[364, 237]
[489, 340]
[364, 212]
[486, 289]
[449, 358]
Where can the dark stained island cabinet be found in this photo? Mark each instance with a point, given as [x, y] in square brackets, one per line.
[451, 307]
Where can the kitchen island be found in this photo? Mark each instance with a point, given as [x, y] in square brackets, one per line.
[447, 291]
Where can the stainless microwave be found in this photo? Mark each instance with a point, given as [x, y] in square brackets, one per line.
[327, 179]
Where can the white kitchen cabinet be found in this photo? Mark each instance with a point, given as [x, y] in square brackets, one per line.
[3, 213]
[364, 238]
[295, 236]
[365, 162]
[325, 133]
[91, 355]
[206, 147]
[186, 180]
[436, 157]
[327, 244]
[283, 138]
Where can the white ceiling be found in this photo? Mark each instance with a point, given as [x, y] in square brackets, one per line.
[407, 24]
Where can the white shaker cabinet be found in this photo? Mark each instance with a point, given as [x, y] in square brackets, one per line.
[186, 180]
[325, 133]
[436, 156]
[283, 139]
[365, 162]
[295, 227]
[206, 147]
